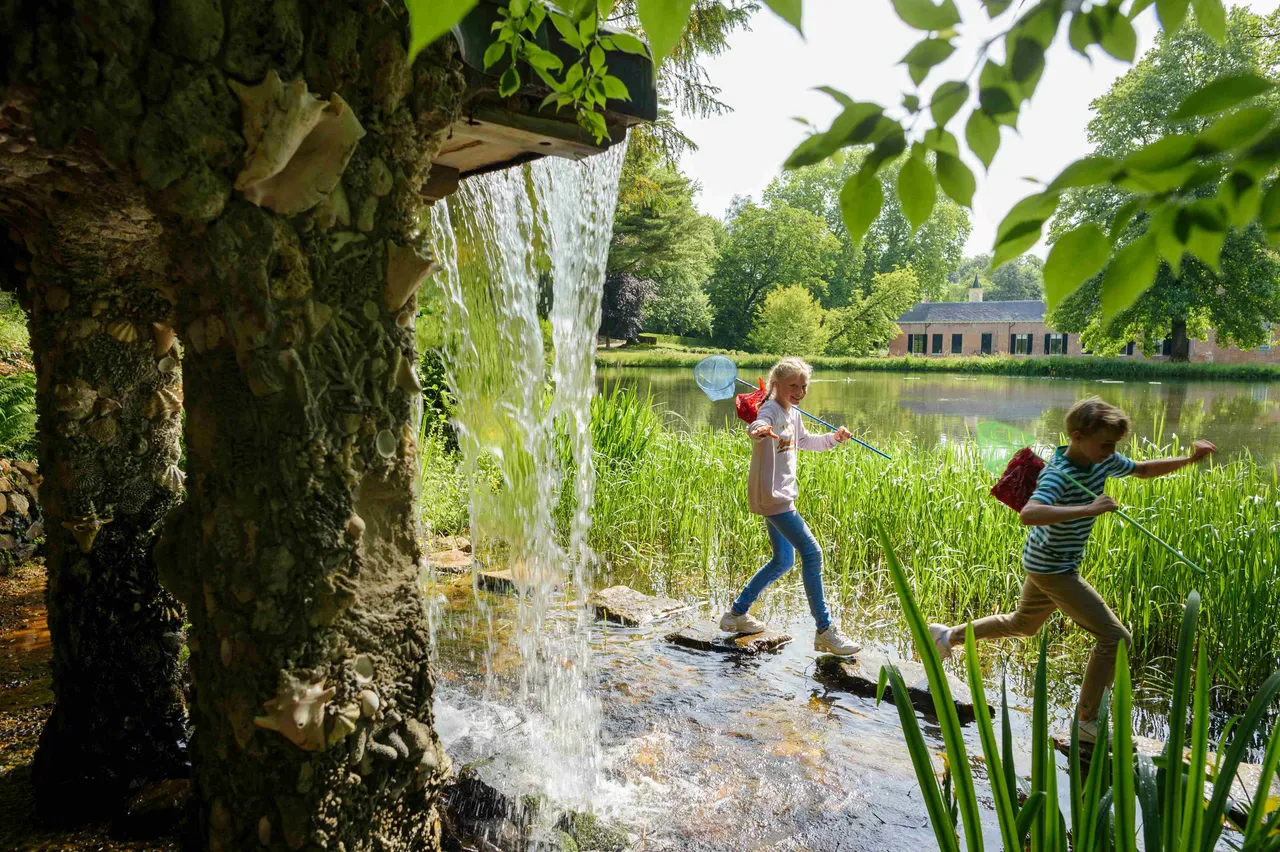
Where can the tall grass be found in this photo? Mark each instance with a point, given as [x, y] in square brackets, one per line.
[677, 512]
[1004, 365]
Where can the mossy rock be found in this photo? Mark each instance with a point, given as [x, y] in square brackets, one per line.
[591, 835]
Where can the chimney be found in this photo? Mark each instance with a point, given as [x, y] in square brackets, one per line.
[975, 290]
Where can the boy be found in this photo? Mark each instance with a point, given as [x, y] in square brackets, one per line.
[1061, 517]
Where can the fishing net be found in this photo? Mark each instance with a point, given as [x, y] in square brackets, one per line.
[749, 403]
[1019, 480]
[716, 375]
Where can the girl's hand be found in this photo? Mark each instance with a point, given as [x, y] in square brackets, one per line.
[764, 430]
[842, 435]
[1202, 449]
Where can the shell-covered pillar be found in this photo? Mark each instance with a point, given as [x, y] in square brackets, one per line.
[109, 397]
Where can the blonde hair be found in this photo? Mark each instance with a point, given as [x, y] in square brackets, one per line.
[1092, 415]
[791, 366]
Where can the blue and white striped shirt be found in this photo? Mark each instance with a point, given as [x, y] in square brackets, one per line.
[1057, 548]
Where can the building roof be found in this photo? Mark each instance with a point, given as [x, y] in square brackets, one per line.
[1031, 310]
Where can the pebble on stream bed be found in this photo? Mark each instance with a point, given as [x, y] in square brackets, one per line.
[706, 635]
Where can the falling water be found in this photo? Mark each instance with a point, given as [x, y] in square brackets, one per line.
[507, 241]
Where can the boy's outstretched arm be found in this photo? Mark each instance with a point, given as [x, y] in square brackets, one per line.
[1160, 467]
[1037, 514]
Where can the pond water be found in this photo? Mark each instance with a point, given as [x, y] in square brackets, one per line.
[936, 408]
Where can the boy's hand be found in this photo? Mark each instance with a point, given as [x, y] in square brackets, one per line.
[842, 435]
[1201, 450]
[1101, 505]
[762, 431]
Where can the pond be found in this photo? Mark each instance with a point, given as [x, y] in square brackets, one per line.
[937, 408]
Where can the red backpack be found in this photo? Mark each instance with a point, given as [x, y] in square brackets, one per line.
[1018, 482]
[749, 403]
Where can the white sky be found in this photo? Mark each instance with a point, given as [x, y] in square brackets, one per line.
[855, 46]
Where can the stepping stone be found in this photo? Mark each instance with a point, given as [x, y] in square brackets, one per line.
[631, 608]
[707, 636]
[453, 542]
[860, 674]
[504, 580]
[456, 561]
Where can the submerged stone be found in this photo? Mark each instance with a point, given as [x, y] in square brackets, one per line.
[451, 561]
[861, 675]
[631, 608]
[512, 580]
[707, 636]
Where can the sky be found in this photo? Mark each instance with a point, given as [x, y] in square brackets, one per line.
[770, 73]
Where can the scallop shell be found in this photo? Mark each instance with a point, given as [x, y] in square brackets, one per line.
[123, 330]
[161, 404]
[171, 478]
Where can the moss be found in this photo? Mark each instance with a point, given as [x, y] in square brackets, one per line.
[591, 835]
[192, 29]
[261, 35]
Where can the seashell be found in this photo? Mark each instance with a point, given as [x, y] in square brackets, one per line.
[139, 446]
[406, 270]
[123, 330]
[379, 177]
[57, 299]
[368, 207]
[362, 665]
[298, 145]
[334, 210]
[171, 478]
[164, 337]
[107, 405]
[99, 305]
[355, 526]
[297, 712]
[85, 528]
[162, 404]
[264, 831]
[75, 400]
[369, 702]
[167, 364]
[103, 430]
[385, 443]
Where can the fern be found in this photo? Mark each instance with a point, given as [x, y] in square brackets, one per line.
[18, 415]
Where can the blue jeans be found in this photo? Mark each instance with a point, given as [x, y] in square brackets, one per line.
[788, 533]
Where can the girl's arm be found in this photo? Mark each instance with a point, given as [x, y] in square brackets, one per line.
[818, 443]
[762, 427]
[1160, 467]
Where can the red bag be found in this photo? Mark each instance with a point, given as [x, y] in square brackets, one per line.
[749, 403]
[1019, 480]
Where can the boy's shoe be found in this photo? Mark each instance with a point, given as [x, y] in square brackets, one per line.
[832, 641]
[1089, 731]
[941, 634]
[746, 623]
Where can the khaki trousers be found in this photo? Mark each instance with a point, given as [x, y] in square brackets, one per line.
[1041, 595]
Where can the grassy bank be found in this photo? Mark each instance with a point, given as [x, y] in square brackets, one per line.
[1065, 368]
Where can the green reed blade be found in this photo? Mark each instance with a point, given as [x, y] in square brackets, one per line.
[1040, 741]
[1172, 773]
[1193, 803]
[1149, 799]
[1073, 771]
[1227, 771]
[1102, 831]
[1005, 805]
[1006, 741]
[1253, 826]
[1051, 817]
[1096, 791]
[1122, 783]
[1026, 818]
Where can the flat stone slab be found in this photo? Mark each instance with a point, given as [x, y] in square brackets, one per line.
[631, 608]
[706, 635]
[503, 580]
[455, 561]
[860, 674]
[453, 542]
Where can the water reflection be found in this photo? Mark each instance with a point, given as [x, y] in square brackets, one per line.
[937, 408]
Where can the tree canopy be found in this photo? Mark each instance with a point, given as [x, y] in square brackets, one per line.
[790, 322]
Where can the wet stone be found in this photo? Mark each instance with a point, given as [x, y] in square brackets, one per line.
[451, 561]
[631, 608]
[503, 580]
[707, 636]
[861, 675]
[453, 542]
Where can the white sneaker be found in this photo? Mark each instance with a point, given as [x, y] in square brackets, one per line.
[832, 641]
[1089, 731]
[941, 634]
[746, 623]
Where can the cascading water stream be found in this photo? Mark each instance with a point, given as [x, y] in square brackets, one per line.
[506, 241]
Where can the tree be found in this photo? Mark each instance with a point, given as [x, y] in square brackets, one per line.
[622, 306]
[790, 322]
[933, 250]
[867, 325]
[1019, 279]
[1243, 295]
[679, 308]
[767, 248]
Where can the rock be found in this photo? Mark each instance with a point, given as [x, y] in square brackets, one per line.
[588, 832]
[156, 811]
[631, 608]
[20, 515]
[6, 484]
[451, 561]
[860, 675]
[707, 636]
[453, 542]
[506, 580]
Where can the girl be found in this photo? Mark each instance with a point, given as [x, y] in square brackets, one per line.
[771, 491]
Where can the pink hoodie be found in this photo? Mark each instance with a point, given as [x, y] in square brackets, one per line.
[771, 485]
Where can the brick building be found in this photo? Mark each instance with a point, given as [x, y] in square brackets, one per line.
[977, 327]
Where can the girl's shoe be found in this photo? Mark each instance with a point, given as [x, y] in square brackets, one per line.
[832, 641]
[941, 634]
[746, 623]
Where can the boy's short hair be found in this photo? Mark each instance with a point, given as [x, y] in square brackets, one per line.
[1093, 414]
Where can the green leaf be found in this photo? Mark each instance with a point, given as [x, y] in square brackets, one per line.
[493, 53]
[539, 58]
[855, 125]
[430, 19]
[1236, 130]
[925, 55]
[1138, 7]
[839, 96]
[955, 179]
[1241, 194]
[593, 122]
[1080, 33]
[947, 101]
[916, 190]
[1122, 218]
[549, 100]
[509, 83]
[518, 8]
[615, 89]
[1027, 816]
[1118, 36]
[580, 9]
[860, 203]
[1172, 13]
[1016, 242]
[1269, 212]
[1212, 18]
[911, 103]
[597, 57]
[1076, 257]
[1122, 755]
[1130, 273]
[567, 31]
[663, 22]
[628, 43]
[1027, 61]
[787, 10]
[937, 139]
[1087, 171]
[923, 15]
[1162, 155]
[1161, 228]
[1221, 94]
[996, 100]
[996, 8]
[983, 136]
[1206, 245]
